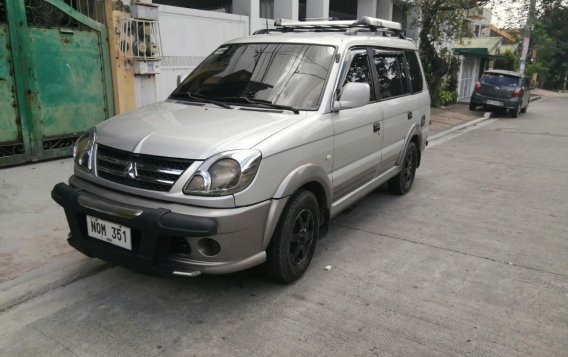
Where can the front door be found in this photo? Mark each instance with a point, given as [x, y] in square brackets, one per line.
[358, 132]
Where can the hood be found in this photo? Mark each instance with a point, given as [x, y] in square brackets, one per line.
[180, 130]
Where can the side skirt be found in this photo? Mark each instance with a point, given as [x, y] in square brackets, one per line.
[349, 199]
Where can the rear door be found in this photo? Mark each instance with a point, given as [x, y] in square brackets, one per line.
[398, 106]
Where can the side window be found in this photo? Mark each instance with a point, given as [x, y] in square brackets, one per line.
[414, 71]
[403, 75]
[391, 73]
[360, 71]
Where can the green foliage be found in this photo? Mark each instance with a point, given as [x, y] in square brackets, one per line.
[550, 45]
[441, 22]
[510, 62]
[446, 97]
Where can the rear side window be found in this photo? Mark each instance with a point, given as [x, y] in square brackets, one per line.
[416, 81]
[391, 73]
[502, 80]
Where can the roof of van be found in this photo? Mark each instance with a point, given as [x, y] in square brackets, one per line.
[338, 39]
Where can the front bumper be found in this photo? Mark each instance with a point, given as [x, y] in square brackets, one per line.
[156, 229]
[480, 99]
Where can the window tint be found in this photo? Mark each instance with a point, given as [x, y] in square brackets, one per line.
[403, 75]
[359, 70]
[283, 74]
[499, 79]
[414, 71]
[391, 73]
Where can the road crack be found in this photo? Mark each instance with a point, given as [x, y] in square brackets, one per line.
[453, 251]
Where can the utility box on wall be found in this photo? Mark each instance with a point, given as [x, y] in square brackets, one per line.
[146, 67]
[144, 11]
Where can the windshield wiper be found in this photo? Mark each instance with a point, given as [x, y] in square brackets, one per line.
[263, 102]
[199, 98]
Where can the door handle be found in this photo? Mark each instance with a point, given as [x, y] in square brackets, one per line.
[377, 127]
[409, 115]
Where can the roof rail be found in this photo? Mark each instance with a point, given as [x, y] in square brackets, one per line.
[350, 27]
[313, 24]
[379, 23]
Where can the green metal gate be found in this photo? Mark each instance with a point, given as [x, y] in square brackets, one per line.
[55, 80]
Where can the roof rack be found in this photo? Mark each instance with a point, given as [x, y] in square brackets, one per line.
[350, 27]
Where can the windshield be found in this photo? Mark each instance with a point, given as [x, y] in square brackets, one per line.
[286, 75]
[502, 80]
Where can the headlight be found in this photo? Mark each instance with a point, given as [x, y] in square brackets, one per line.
[224, 174]
[83, 150]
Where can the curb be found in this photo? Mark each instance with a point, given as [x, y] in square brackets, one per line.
[535, 98]
[71, 268]
[473, 122]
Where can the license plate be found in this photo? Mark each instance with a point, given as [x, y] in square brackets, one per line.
[109, 232]
[494, 102]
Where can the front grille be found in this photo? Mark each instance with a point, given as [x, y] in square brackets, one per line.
[148, 172]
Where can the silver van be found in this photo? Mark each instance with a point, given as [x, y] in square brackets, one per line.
[256, 150]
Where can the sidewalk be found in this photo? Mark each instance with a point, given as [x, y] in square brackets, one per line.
[450, 116]
[33, 229]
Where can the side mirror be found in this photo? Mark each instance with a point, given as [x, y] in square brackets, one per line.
[353, 95]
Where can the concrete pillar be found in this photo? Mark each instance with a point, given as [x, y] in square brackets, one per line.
[366, 8]
[317, 8]
[286, 9]
[121, 68]
[250, 8]
[384, 9]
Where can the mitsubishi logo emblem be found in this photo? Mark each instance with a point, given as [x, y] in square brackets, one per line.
[130, 170]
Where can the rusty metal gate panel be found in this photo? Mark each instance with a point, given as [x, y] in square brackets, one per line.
[62, 75]
[11, 143]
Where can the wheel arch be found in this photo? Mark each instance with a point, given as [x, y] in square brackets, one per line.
[413, 136]
[308, 177]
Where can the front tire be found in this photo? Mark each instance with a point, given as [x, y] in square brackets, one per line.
[524, 110]
[293, 244]
[402, 183]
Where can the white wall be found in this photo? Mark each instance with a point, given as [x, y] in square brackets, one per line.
[188, 36]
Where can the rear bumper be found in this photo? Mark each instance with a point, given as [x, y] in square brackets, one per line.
[239, 232]
[480, 99]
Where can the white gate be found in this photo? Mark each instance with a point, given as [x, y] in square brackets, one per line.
[469, 72]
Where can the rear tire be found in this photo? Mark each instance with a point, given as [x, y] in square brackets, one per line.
[515, 111]
[472, 106]
[293, 244]
[402, 183]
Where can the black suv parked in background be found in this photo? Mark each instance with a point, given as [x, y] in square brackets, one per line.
[502, 89]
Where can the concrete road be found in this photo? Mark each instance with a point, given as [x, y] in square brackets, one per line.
[473, 261]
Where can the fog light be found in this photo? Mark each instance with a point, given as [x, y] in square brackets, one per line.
[208, 247]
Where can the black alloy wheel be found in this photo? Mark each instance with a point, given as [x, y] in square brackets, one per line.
[294, 241]
[302, 237]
